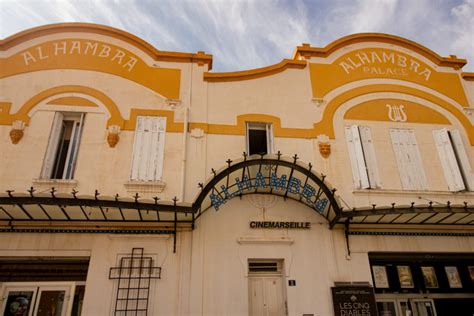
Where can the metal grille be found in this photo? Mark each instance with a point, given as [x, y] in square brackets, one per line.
[134, 275]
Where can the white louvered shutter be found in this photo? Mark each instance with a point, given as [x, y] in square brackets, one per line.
[52, 148]
[370, 157]
[356, 155]
[269, 132]
[74, 148]
[148, 148]
[462, 159]
[417, 162]
[448, 160]
[410, 166]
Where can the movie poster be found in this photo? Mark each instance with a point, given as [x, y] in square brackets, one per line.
[404, 276]
[453, 277]
[429, 275]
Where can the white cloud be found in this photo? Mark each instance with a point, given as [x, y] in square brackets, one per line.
[247, 34]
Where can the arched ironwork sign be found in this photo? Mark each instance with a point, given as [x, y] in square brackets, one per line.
[269, 174]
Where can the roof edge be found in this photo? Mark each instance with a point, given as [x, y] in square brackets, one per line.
[254, 73]
[23, 36]
[305, 50]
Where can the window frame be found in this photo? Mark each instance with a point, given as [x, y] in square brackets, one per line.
[269, 138]
[55, 137]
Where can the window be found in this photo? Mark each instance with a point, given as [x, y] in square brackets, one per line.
[259, 138]
[148, 148]
[408, 158]
[63, 146]
[453, 159]
[362, 155]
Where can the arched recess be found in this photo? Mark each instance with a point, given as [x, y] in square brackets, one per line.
[326, 124]
[22, 114]
[269, 174]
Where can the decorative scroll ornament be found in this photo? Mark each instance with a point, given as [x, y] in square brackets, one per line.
[16, 134]
[396, 113]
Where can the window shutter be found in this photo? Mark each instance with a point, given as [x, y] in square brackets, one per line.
[370, 157]
[354, 146]
[137, 148]
[73, 148]
[52, 146]
[410, 166]
[148, 149]
[417, 163]
[448, 160]
[463, 159]
[269, 130]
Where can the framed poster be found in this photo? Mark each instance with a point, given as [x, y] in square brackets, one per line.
[453, 277]
[380, 277]
[405, 278]
[471, 273]
[429, 275]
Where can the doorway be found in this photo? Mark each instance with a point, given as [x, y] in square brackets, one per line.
[267, 293]
[37, 298]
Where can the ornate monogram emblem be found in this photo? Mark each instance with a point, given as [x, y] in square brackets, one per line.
[396, 113]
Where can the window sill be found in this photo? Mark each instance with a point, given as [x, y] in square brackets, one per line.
[58, 184]
[145, 186]
[412, 192]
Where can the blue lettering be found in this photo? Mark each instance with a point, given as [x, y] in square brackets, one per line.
[216, 201]
[321, 205]
[294, 185]
[244, 184]
[278, 184]
[260, 181]
[308, 192]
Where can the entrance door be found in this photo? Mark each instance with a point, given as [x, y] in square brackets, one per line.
[266, 291]
[37, 299]
[423, 307]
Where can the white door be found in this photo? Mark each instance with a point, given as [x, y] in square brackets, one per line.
[37, 298]
[266, 296]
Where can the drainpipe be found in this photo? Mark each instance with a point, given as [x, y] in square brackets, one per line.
[185, 134]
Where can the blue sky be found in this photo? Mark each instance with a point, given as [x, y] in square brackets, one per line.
[250, 34]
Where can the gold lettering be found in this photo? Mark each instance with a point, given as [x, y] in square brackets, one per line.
[27, 57]
[352, 62]
[375, 56]
[425, 73]
[92, 47]
[401, 61]
[388, 57]
[105, 52]
[58, 48]
[76, 46]
[40, 53]
[366, 69]
[346, 67]
[130, 63]
[118, 55]
[363, 58]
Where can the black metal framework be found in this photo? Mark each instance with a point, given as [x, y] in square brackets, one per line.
[257, 174]
[134, 275]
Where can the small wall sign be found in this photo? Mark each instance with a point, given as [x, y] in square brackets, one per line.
[270, 224]
[291, 282]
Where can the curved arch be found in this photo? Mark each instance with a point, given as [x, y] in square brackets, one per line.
[307, 51]
[254, 73]
[73, 27]
[326, 124]
[115, 116]
[297, 181]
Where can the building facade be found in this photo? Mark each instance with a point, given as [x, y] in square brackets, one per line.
[136, 181]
